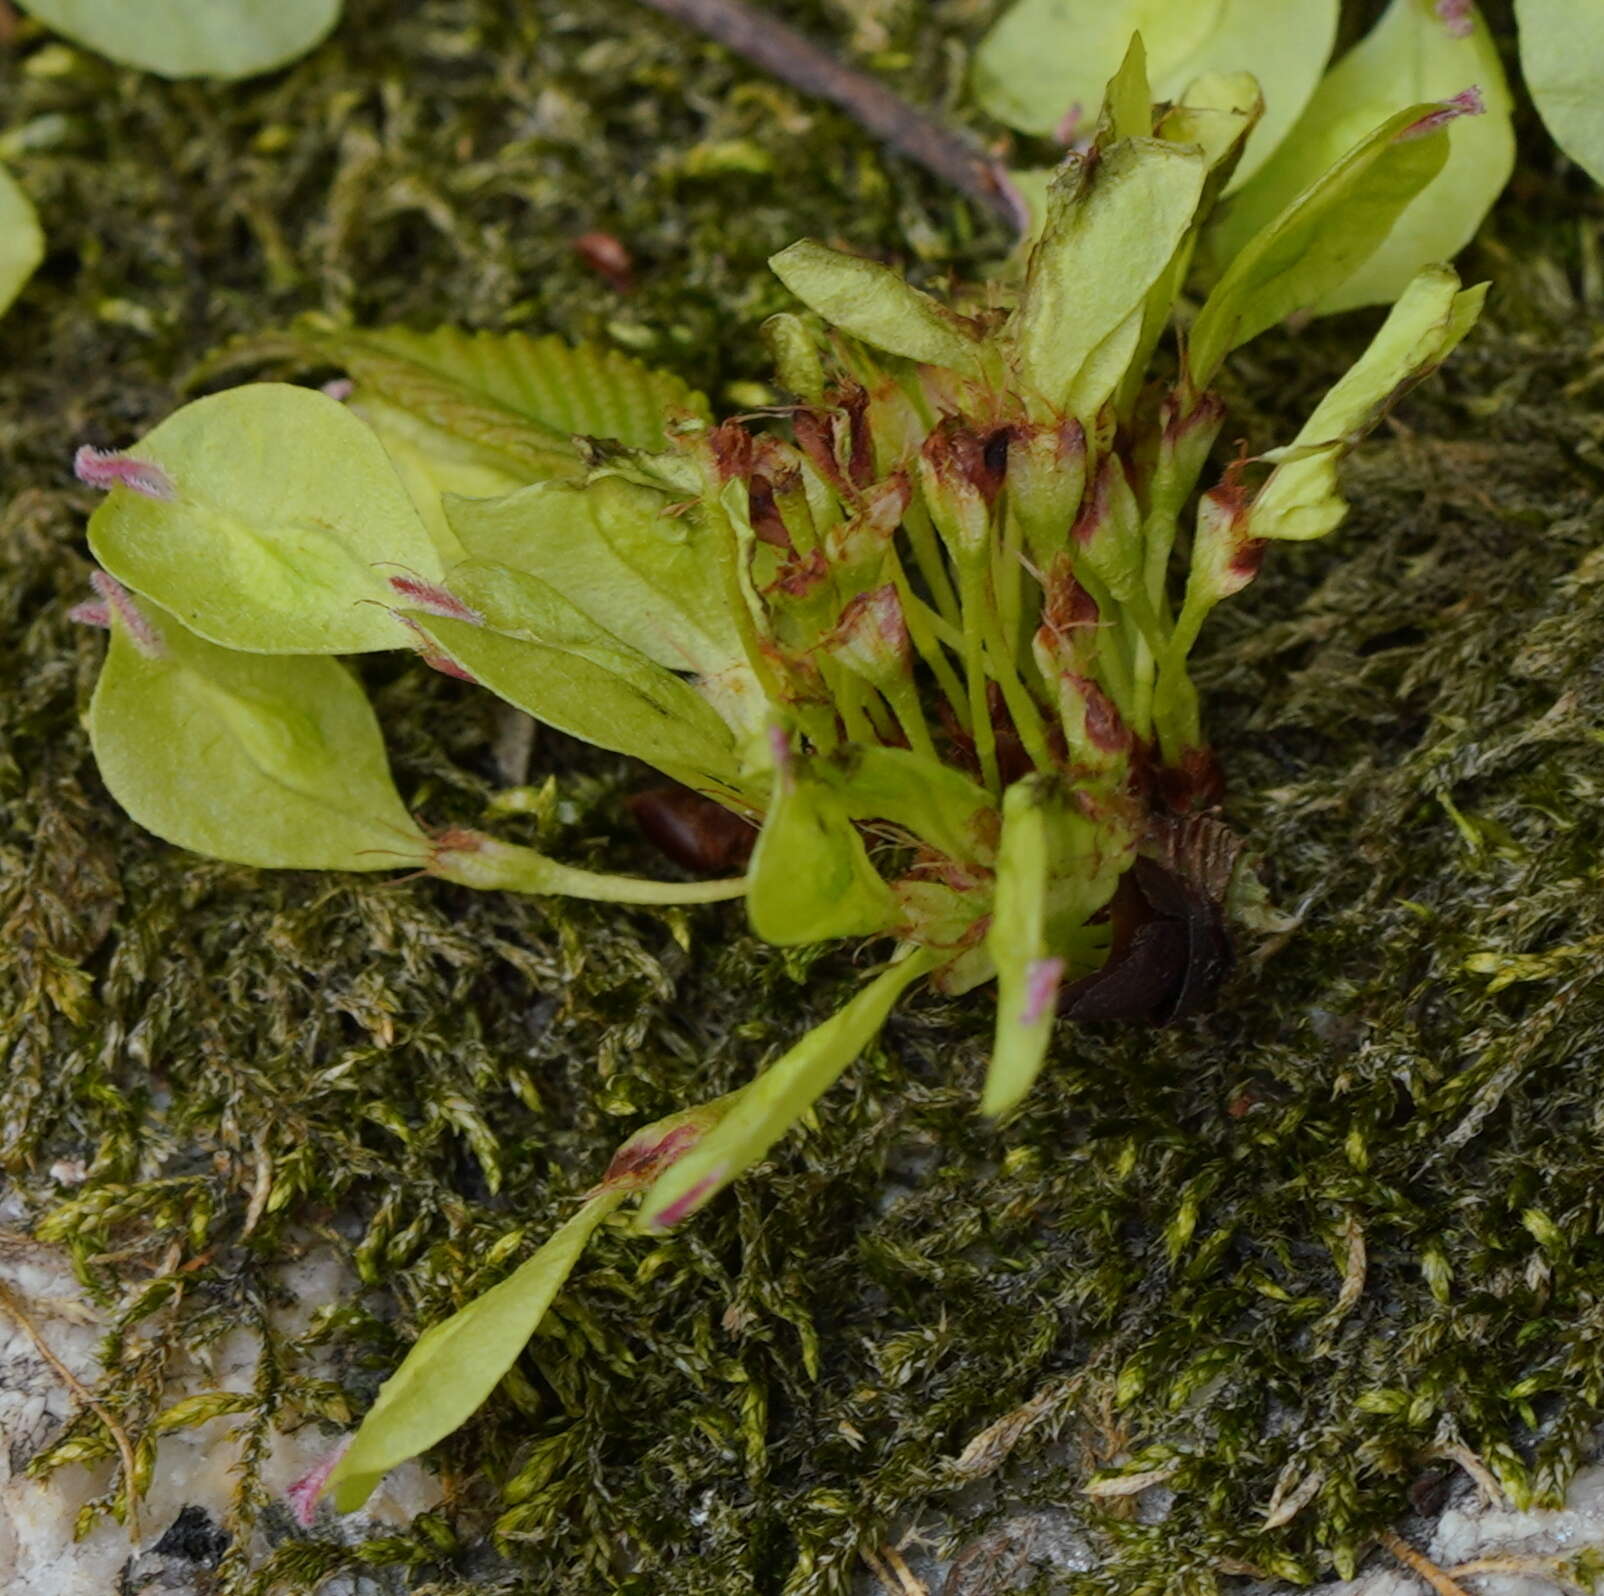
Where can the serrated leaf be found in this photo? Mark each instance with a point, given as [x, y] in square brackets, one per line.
[287, 521]
[1412, 55]
[777, 1099]
[260, 759]
[183, 39]
[540, 652]
[1301, 501]
[570, 389]
[22, 244]
[1562, 60]
[874, 303]
[1321, 238]
[1113, 225]
[612, 548]
[457, 1363]
[1046, 57]
[810, 877]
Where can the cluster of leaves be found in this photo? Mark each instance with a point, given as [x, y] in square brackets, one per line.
[976, 515]
[1042, 66]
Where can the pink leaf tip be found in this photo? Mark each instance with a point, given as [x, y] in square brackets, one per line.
[684, 1205]
[115, 598]
[1468, 102]
[92, 612]
[111, 468]
[433, 599]
[1458, 18]
[304, 1493]
[1041, 987]
[339, 389]
[431, 653]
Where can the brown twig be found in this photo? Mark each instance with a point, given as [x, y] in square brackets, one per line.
[10, 1305]
[779, 49]
[1422, 1565]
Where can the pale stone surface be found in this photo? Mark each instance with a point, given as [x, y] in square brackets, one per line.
[1023, 1546]
[184, 1513]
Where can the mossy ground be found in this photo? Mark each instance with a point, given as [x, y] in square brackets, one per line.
[1350, 1218]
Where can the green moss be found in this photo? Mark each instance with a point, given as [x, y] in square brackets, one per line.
[1154, 1250]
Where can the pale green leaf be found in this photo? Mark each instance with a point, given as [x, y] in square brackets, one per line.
[1112, 228]
[810, 878]
[433, 466]
[457, 1363]
[192, 38]
[1562, 60]
[1217, 113]
[1017, 943]
[22, 244]
[540, 652]
[1056, 868]
[874, 303]
[1301, 500]
[1320, 240]
[779, 1097]
[614, 550]
[936, 803]
[1046, 58]
[288, 521]
[260, 759]
[1412, 55]
[1128, 100]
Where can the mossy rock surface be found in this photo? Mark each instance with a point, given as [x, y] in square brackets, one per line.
[1351, 1218]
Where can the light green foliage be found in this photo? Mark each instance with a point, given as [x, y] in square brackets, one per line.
[22, 243]
[618, 551]
[765, 1110]
[1411, 55]
[1046, 56]
[264, 760]
[542, 653]
[873, 303]
[952, 568]
[457, 1363]
[811, 878]
[1301, 500]
[1113, 226]
[1325, 233]
[1562, 60]
[287, 521]
[183, 39]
